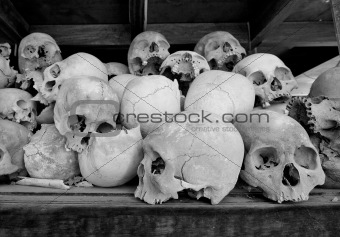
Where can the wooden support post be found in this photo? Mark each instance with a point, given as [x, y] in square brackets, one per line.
[138, 16]
[336, 20]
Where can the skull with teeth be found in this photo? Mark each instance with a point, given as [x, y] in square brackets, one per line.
[199, 157]
[272, 79]
[184, 66]
[37, 51]
[85, 105]
[79, 64]
[319, 113]
[12, 140]
[16, 105]
[221, 49]
[280, 159]
[147, 52]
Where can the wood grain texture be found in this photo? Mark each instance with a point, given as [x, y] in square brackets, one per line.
[113, 35]
[336, 19]
[118, 213]
[12, 24]
[310, 10]
[270, 18]
[138, 16]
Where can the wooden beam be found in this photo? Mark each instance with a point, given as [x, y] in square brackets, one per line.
[336, 19]
[138, 16]
[106, 35]
[269, 18]
[299, 34]
[12, 24]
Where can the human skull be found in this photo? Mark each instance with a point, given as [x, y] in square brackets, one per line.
[115, 69]
[84, 105]
[16, 105]
[280, 159]
[46, 156]
[13, 137]
[203, 157]
[118, 84]
[319, 113]
[147, 52]
[184, 66]
[112, 160]
[146, 98]
[7, 73]
[37, 51]
[272, 79]
[79, 64]
[221, 93]
[221, 49]
[5, 50]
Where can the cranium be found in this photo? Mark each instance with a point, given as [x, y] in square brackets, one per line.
[5, 50]
[7, 73]
[113, 160]
[13, 137]
[37, 51]
[84, 105]
[280, 159]
[115, 69]
[146, 98]
[16, 105]
[147, 52]
[221, 49]
[46, 156]
[184, 66]
[272, 79]
[221, 93]
[79, 64]
[201, 157]
[319, 113]
[118, 84]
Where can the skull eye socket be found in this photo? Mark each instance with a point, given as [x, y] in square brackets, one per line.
[29, 50]
[157, 166]
[212, 46]
[23, 104]
[105, 128]
[283, 74]
[77, 122]
[266, 158]
[305, 157]
[258, 78]
[163, 45]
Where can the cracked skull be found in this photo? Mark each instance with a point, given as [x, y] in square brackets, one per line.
[37, 51]
[319, 113]
[280, 159]
[13, 137]
[221, 49]
[272, 79]
[221, 93]
[79, 64]
[184, 66]
[85, 105]
[112, 160]
[147, 52]
[46, 156]
[149, 100]
[200, 157]
[16, 105]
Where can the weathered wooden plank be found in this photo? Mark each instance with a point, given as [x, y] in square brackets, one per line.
[270, 18]
[112, 35]
[336, 19]
[311, 11]
[12, 23]
[138, 16]
[182, 33]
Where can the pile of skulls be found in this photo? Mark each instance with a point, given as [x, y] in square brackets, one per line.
[182, 122]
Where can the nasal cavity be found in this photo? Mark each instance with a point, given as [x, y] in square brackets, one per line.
[158, 166]
[41, 51]
[49, 85]
[153, 47]
[227, 47]
[276, 85]
[291, 175]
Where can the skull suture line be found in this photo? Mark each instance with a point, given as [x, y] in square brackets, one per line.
[200, 157]
[147, 52]
[221, 49]
[78, 121]
[184, 66]
[280, 159]
[272, 79]
[319, 113]
[79, 64]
